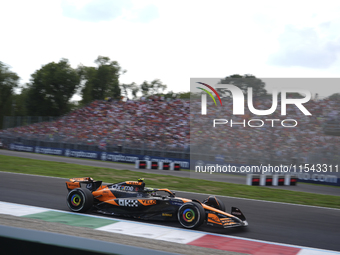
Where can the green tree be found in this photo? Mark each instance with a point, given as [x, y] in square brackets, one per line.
[243, 82]
[170, 94]
[184, 95]
[51, 89]
[335, 96]
[8, 82]
[291, 95]
[155, 87]
[101, 81]
[130, 89]
[145, 87]
[88, 76]
[20, 102]
[180, 95]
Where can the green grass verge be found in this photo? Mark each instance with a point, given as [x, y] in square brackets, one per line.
[66, 170]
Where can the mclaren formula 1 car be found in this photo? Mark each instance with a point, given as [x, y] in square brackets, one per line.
[133, 199]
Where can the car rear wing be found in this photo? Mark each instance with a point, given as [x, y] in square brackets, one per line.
[91, 184]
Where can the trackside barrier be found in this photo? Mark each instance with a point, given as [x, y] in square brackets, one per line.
[152, 164]
[97, 155]
[164, 166]
[266, 180]
[141, 164]
[278, 180]
[175, 166]
[271, 180]
[290, 179]
[253, 179]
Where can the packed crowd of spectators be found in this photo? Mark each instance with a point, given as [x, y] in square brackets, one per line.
[271, 142]
[153, 123]
[165, 124]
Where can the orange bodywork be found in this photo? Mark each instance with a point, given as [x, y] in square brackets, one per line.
[103, 193]
[213, 218]
[185, 200]
[72, 185]
[112, 201]
[147, 202]
[227, 221]
[207, 207]
[82, 179]
[134, 183]
[166, 190]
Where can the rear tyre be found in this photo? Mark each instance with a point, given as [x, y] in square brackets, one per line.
[191, 215]
[79, 200]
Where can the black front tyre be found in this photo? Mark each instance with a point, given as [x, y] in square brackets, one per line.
[191, 215]
[215, 202]
[79, 200]
[221, 205]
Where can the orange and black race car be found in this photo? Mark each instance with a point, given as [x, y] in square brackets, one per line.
[133, 199]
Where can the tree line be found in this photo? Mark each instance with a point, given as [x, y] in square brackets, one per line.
[52, 86]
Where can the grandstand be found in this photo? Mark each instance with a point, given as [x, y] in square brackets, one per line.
[162, 128]
[305, 143]
[154, 127]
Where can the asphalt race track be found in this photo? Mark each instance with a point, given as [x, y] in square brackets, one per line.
[285, 223]
[229, 178]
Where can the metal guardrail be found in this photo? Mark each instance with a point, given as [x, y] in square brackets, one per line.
[6, 140]
[314, 157]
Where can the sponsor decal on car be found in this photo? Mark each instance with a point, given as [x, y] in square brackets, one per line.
[178, 202]
[122, 187]
[147, 202]
[133, 183]
[72, 185]
[167, 214]
[128, 202]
